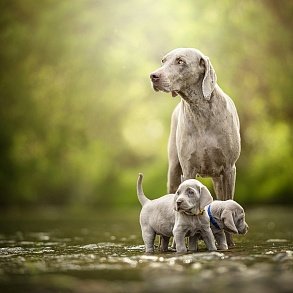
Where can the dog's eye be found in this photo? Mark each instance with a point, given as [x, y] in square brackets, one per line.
[190, 192]
[239, 221]
[180, 61]
[163, 60]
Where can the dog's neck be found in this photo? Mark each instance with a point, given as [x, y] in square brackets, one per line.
[213, 219]
[194, 98]
[217, 208]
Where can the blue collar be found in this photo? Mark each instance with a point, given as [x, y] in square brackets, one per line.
[212, 219]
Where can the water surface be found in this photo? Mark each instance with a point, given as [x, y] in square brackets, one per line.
[104, 252]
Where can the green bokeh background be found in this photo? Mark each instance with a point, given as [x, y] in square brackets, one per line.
[79, 118]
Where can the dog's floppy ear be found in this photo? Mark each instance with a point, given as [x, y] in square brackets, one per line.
[210, 78]
[174, 200]
[205, 197]
[227, 219]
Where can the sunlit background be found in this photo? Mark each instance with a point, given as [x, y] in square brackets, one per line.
[79, 118]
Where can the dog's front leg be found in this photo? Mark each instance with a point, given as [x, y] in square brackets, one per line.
[209, 239]
[179, 237]
[193, 241]
[221, 240]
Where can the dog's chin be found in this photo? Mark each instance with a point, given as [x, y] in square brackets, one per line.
[189, 212]
[158, 88]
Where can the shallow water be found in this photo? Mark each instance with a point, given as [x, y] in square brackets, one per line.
[103, 252]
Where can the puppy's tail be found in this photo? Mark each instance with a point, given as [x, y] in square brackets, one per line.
[140, 194]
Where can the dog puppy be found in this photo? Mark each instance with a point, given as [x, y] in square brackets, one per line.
[157, 217]
[191, 218]
[226, 216]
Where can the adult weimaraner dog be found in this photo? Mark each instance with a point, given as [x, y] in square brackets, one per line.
[205, 131]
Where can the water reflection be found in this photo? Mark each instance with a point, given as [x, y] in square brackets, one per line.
[104, 255]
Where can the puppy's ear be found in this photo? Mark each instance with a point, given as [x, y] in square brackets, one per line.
[205, 197]
[227, 219]
[175, 205]
[210, 78]
[174, 201]
[182, 178]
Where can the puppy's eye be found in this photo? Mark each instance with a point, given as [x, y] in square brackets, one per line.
[190, 192]
[163, 60]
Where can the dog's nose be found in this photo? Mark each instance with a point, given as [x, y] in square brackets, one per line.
[154, 77]
[244, 230]
[179, 202]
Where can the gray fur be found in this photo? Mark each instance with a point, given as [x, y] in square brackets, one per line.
[191, 219]
[181, 213]
[157, 217]
[204, 138]
[230, 217]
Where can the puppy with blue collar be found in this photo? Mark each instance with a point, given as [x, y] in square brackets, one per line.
[226, 216]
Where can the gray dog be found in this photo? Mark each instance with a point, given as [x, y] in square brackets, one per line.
[226, 216]
[157, 217]
[204, 138]
[191, 198]
[181, 213]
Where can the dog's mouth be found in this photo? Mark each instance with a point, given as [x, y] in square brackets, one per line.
[166, 89]
[242, 231]
[161, 87]
[156, 88]
[189, 211]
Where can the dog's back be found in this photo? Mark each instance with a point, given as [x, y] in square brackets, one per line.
[159, 215]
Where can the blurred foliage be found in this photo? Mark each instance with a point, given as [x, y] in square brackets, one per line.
[78, 115]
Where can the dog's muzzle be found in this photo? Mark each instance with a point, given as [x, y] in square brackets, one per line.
[244, 230]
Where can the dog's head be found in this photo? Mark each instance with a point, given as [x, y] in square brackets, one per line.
[191, 197]
[181, 70]
[233, 218]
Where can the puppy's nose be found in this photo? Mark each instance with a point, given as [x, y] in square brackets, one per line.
[179, 202]
[244, 230]
[154, 77]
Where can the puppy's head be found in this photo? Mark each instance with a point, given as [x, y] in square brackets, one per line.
[233, 218]
[191, 197]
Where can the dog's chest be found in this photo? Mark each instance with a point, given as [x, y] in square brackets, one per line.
[202, 156]
[198, 224]
[206, 144]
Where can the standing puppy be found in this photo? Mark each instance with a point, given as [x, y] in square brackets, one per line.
[226, 216]
[204, 138]
[191, 219]
[157, 217]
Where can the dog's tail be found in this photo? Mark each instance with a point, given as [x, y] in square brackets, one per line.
[140, 194]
